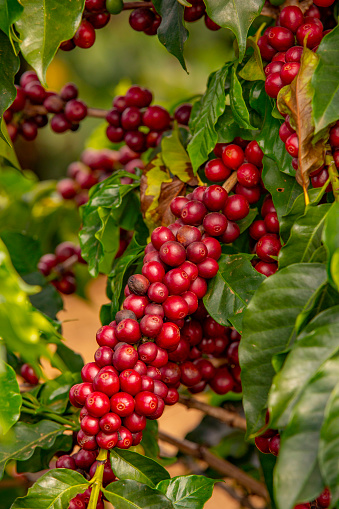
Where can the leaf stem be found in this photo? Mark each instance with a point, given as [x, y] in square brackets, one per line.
[231, 418]
[48, 415]
[96, 481]
[306, 197]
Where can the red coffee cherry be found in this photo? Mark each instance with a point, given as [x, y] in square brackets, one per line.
[97, 404]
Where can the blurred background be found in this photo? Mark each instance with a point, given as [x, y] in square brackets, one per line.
[121, 57]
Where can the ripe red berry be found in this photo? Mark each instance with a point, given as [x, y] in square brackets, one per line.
[272, 222]
[172, 253]
[75, 110]
[289, 71]
[103, 356]
[233, 156]
[172, 396]
[115, 134]
[324, 500]
[156, 118]
[160, 235]
[273, 67]
[190, 374]
[90, 425]
[137, 304]
[280, 38]
[292, 145]
[87, 442]
[107, 441]
[285, 132]
[122, 404]
[208, 268]
[105, 336]
[197, 252]
[248, 175]
[19, 101]
[85, 35]
[314, 34]
[213, 247]
[269, 245]
[195, 12]
[125, 357]
[141, 19]
[81, 391]
[291, 17]
[66, 461]
[28, 374]
[199, 287]
[169, 336]
[215, 224]
[158, 292]
[89, 371]
[110, 423]
[84, 459]
[193, 213]
[267, 269]
[147, 351]
[187, 234]
[222, 382]
[182, 113]
[130, 381]
[154, 309]
[145, 403]
[138, 96]
[107, 382]
[257, 229]
[97, 404]
[236, 208]
[231, 234]
[175, 307]
[267, 51]
[216, 171]
[273, 84]
[135, 422]
[191, 300]
[215, 197]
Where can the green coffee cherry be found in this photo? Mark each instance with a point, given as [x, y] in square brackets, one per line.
[114, 6]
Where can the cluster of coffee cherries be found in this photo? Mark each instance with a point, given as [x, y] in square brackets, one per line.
[29, 110]
[58, 266]
[144, 19]
[96, 165]
[132, 112]
[96, 15]
[245, 158]
[85, 462]
[282, 46]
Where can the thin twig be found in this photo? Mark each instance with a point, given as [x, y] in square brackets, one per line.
[136, 5]
[230, 182]
[97, 112]
[224, 467]
[232, 419]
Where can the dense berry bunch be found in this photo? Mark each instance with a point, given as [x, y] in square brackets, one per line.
[58, 266]
[95, 166]
[33, 104]
[282, 46]
[85, 463]
[133, 112]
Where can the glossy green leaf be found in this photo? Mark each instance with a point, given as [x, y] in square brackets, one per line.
[209, 109]
[72, 360]
[54, 393]
[283, 188]
[268, 134]
[253, 69]
[53, 490]
[305, 236]
[297, 476]
[330, 239]
[149, 440]
[10, 11]
[188, 491]
[48, 300]
[329, 445]
[18, 243]
[22, 439]
[134, 466]
[228, 129]
[9, 66]
[236, 15]
[317, 342]
[102, 216]
[172, 32]
[268, 328]
[43, 25]
[10, 399]
[20, 325]
[40, 460]
[294, 213]
[248, 220]
[238, 105]
[230, 291]
[176, 158]
[130, 494]
[325, 81]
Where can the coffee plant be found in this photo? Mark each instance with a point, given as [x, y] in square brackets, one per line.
[216, 224]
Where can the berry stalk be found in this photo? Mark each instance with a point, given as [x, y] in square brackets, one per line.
[97, 479]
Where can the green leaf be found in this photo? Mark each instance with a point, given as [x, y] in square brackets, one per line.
[230, 291]
[283, 188]
[20, 325]
[248, 220]
[18, 243]
[150, 439]
[135, 495]
[10, 11]
[268, 328]
[40, 460]
[176, 158]
[305, 236]
[325, 82]
[330, 239]
[134, 466]
[268, 135]
[10, 399]
[238, 105]
[72, 360]
[9, 67]
[53, 490]
[253, 69]
[295, 212]
[172, 32]
[317, 342]
[48, 300]
[23, 438]
[43, 25]
[209, 109]
[297, 477]
[329, 445]
[188, 491]
[54, 393]
[236, 15]
[102, 216]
